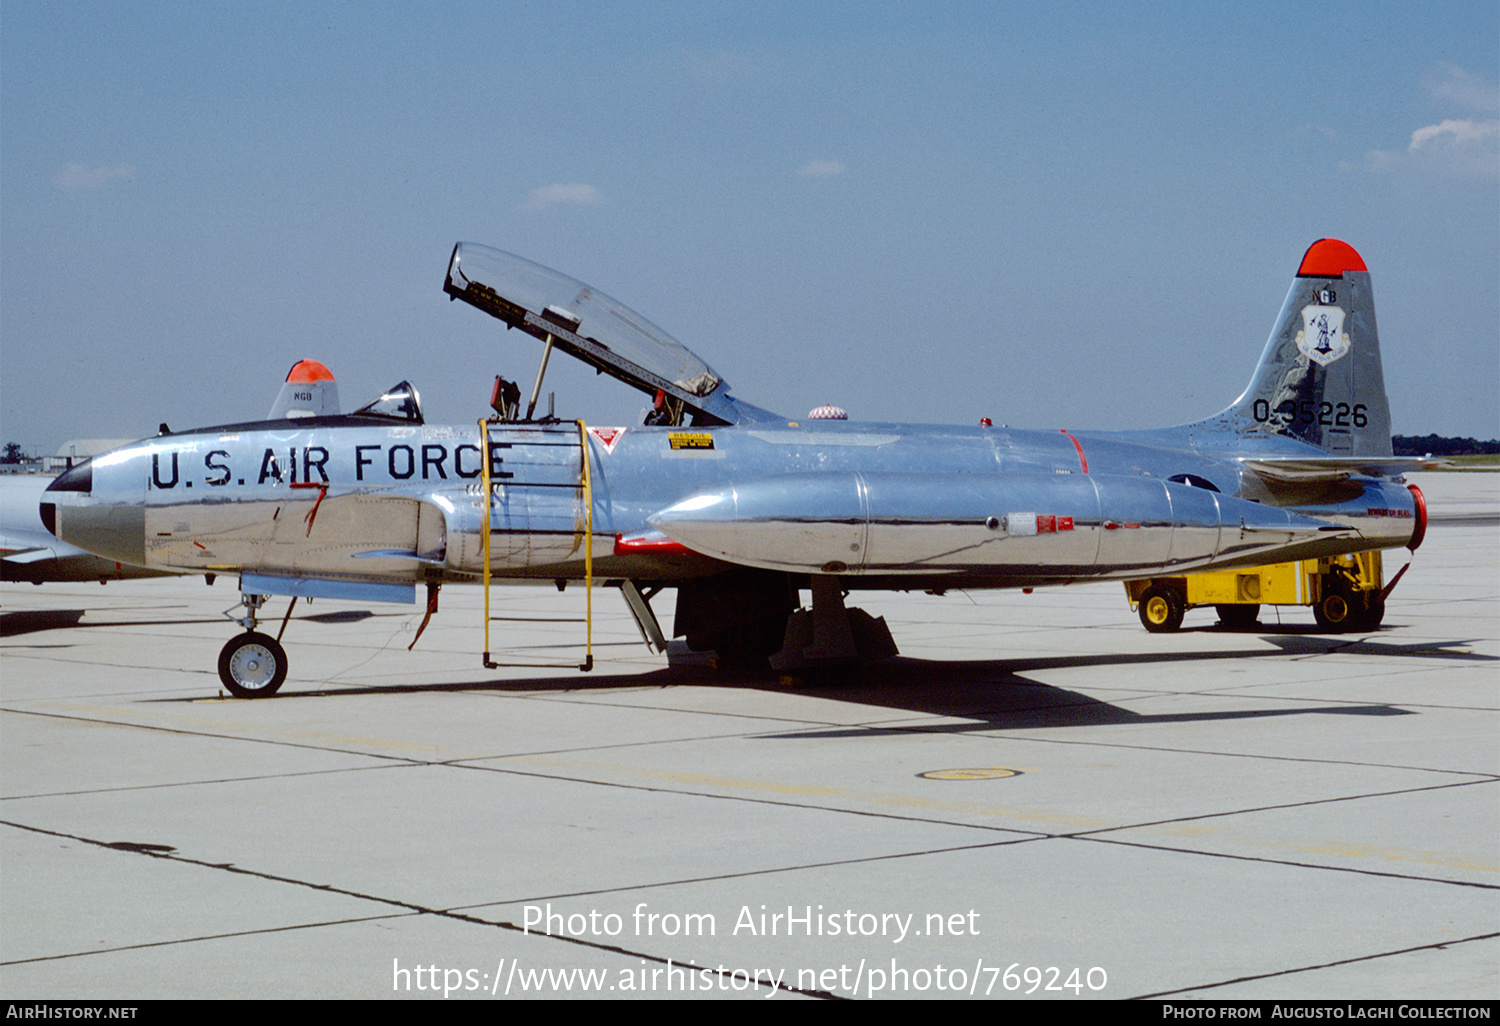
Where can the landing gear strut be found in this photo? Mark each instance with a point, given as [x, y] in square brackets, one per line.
[252, 665]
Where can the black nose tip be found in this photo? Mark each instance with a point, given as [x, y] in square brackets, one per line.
[77, 479]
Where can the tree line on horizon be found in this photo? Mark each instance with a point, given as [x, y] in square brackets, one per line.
[1437, 445]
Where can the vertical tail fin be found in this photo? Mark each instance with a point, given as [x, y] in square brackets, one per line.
[310, 391]
[1319, 379]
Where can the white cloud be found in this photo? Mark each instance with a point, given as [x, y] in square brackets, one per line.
[1459, 133]
[1465, 147]
[79, 176]
[1461, 147]
[822, 169]
[570, 195]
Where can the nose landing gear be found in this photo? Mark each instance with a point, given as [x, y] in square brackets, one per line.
[252, 665]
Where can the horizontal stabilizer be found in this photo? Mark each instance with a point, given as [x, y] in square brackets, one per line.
[1308, 470]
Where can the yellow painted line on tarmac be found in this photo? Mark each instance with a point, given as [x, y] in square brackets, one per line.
[733, 784]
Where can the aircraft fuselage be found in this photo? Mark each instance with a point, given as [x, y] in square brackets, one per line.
[924, 506]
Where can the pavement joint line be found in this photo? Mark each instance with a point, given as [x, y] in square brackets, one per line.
[816, 726]
[1480, 775]
[331, 889]
[209, 937]
[1086, 835]
[431, 762]
[1435, 946]
[1290, 805]
[1315, 866]
[772, 871]
[201, 783]
[755, 800]
[217, 736]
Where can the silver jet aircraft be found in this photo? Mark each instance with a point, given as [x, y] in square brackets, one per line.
[741, 510]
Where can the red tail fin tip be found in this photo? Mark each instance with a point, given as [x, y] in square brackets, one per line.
[1329, 258]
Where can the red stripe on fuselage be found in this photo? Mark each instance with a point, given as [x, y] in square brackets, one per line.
[1082, 460]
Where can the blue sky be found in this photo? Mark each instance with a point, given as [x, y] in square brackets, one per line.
[1051, 214]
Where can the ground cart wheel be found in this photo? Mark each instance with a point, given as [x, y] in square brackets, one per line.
[1374, 612]
[1161, 610]
[1336, 609]
[252, 665]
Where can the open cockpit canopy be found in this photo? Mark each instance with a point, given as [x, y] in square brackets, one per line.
[592, 327]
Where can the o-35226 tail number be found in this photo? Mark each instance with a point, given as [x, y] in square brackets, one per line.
[1309, 411]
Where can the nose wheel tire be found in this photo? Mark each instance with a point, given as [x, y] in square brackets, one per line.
[252, 665]
[1161, 610]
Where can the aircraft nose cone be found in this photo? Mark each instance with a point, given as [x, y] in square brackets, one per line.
[103, 523]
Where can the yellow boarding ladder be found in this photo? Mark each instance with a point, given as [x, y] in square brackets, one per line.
[585, 487]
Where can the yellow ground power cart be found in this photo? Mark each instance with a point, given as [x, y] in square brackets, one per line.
[1346, 593]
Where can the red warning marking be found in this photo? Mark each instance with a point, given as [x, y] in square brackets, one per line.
[607, 436]
[651, 545]
[1047, 523]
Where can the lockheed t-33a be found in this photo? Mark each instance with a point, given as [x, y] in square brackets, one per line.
[741, 510]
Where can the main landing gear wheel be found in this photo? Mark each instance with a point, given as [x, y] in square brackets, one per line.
[1161, 610]
[252, 665]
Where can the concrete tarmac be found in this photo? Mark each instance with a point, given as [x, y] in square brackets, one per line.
[1037, 798]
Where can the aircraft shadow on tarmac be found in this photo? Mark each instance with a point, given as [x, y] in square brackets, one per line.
[32, 621]
[986, 694]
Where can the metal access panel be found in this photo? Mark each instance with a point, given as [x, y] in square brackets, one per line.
[1278, 584]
